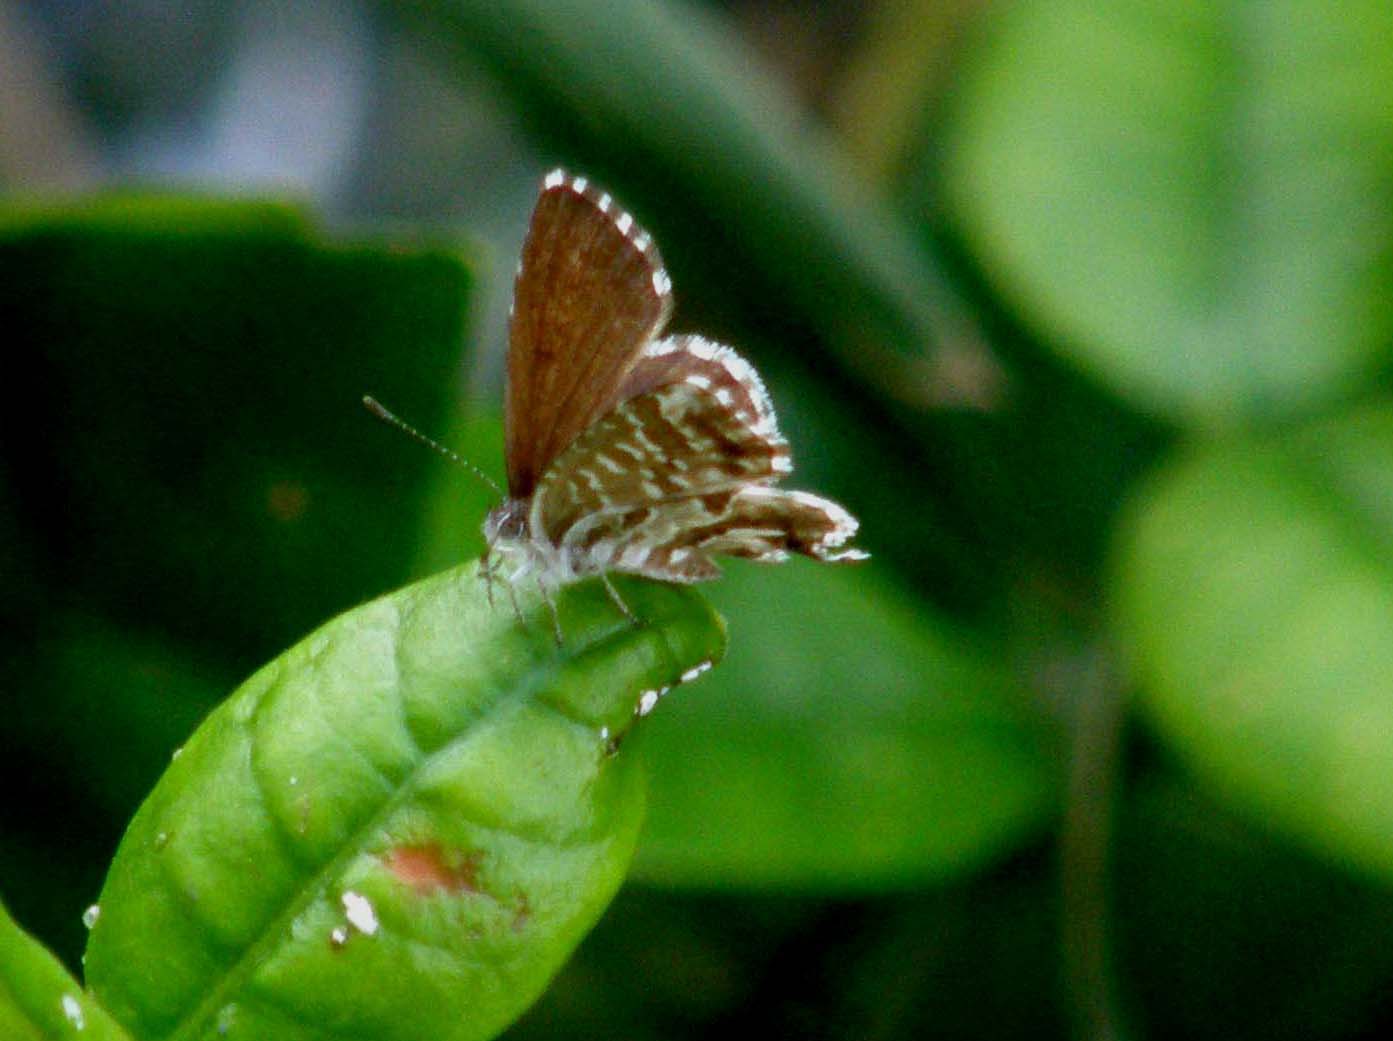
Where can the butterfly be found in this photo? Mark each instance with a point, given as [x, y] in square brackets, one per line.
[626, 450]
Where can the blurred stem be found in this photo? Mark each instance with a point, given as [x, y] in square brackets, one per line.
[897, 75]
[1086, 841]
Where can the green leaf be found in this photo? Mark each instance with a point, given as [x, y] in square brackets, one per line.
[38, 999]
[1254, 589]
[669, 107]
[1192, 198]
[427, 755]
[852, 741]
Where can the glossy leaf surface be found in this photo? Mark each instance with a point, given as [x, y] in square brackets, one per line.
[400, 827]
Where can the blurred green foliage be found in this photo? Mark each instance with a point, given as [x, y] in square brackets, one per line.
[1193, 200]
[1098, 744]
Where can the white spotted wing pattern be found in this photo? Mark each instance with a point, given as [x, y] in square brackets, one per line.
[628, 452]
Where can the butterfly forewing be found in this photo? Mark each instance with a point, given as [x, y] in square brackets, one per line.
[591, 293]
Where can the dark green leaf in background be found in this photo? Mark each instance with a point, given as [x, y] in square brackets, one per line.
[1192, 198]
[853, 742]
[424, 753]
[1254, 588]
[200, 365]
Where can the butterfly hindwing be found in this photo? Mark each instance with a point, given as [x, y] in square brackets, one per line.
[683, 470]
[674, 540]
[703, 425]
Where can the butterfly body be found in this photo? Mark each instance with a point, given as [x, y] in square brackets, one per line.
[628, 451]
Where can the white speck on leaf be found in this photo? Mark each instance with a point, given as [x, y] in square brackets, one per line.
[226, 1016]
[90, 916]
[695, 671]
[360, 912]
[72, 1012]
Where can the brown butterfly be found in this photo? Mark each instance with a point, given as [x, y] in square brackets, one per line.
[628, 451]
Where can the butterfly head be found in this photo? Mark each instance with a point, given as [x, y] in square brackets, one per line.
[506, 522]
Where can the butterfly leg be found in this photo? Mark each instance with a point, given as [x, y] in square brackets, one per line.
[551, 606]
[618, 601]
[486, 573]
[513, 599]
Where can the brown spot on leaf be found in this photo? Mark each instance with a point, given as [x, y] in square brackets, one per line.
[287, 501]
[428, 867]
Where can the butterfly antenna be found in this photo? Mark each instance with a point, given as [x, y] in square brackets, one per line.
[392, 419]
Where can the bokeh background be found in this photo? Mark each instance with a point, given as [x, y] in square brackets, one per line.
[1085, 308]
